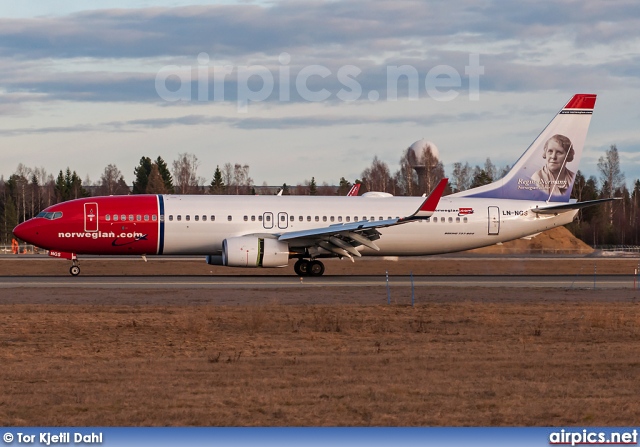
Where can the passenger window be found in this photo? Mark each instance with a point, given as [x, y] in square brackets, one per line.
[130, 217]
[308, 218]
[123, 217]
[317, 218]
[196, 218]
[442, 219]
[301, 218]
[283, 218]
[464, 219]
[229, 218]
[291, 218]
[115, 217]
[267, 218]
[253, 218]
[187, 217]
[339, 218]
[108, 217]
[246, 218]
[204, 217]
[259, 218]
[450, 219]
[213, 218]
[154, 218]
[457, 220]
[138, 217]
[324, 218]
[372, 218]
[170, 217]
[381, 218]
[179, 217]
[332, 219]
[355, 218]
[146, 218]
[348, 218]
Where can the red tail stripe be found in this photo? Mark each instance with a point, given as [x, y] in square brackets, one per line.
[582, 101]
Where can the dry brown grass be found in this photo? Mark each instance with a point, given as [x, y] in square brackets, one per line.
[456, 362]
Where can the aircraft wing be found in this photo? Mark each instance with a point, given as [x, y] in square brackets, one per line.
[572, 206]
[342, 239]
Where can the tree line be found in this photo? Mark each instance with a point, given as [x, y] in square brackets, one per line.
[29, 190]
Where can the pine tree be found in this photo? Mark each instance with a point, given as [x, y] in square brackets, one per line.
[344, 188]
[217, 185]
[313, 188]
[62, 192]
[142, 172]
[155, 185]
[163, 169]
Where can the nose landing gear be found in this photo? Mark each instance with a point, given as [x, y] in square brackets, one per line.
[75, 268]
[305, 267]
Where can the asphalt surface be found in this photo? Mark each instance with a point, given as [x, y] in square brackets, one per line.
[253, 282]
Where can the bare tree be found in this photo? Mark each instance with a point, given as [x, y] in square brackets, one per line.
[185, 174]
[241, 180]
[461, 176]
[227, 176]
[406, 177]
[377, 177]
[112, 182]
[611, 176]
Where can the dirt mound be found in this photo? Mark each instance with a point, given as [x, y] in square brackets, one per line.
[557, 240]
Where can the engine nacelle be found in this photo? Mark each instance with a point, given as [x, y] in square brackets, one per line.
[251, 251]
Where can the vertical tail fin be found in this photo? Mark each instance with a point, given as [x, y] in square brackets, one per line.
[546, 171]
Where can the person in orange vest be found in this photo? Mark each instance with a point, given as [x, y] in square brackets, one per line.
[14, 246]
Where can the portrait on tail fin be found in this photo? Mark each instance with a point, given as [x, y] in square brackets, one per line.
[554, 178]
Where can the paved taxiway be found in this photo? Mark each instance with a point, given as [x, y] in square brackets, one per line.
[253, 282]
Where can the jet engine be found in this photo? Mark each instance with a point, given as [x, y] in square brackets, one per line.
[251, 251]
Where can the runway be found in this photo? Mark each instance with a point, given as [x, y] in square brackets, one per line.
[277, 282]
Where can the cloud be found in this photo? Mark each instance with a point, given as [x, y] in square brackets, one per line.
[253, 123]
[242, 29]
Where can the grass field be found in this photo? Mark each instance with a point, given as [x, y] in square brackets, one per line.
[461, 357]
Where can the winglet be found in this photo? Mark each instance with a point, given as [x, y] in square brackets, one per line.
[354, 190]
[429, 205]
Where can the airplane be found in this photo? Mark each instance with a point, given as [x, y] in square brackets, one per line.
[353, 192]
[269, 231]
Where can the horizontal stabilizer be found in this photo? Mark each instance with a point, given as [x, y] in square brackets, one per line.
[564, 208]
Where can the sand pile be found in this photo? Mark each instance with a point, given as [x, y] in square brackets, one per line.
[557, 240]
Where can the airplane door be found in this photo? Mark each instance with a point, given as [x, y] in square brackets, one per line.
[283, 220]
[91, 217]
[267, 220]
[494, 220]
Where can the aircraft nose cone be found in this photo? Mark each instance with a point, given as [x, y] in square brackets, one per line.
[23, 232]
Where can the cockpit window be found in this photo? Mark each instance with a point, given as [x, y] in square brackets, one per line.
[50, 215]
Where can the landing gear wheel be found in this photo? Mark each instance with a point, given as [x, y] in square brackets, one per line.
[74, 270]
[301, 267]
[316, 268]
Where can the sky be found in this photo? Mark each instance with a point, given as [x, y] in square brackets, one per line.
[301, 89]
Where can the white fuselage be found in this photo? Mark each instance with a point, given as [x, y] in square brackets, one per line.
[459, 223]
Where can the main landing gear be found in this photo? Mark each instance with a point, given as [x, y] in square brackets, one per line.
[305, 267]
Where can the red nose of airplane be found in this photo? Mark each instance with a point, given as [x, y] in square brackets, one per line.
[26, 232]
